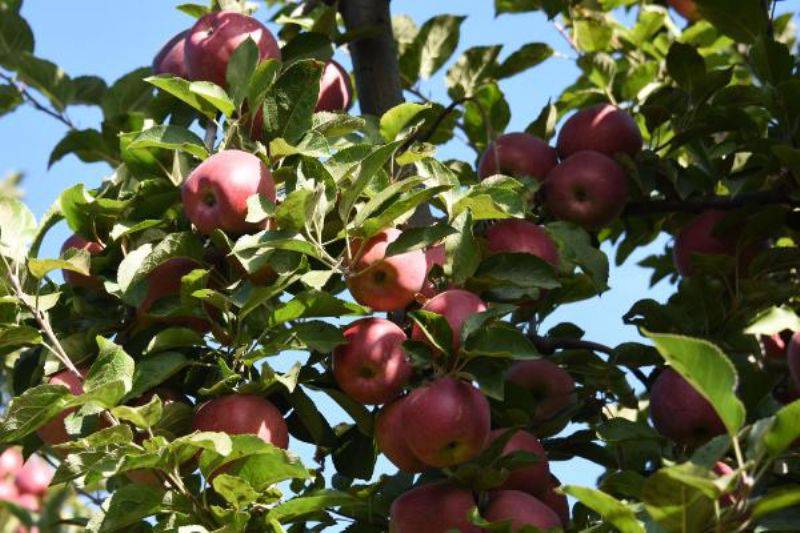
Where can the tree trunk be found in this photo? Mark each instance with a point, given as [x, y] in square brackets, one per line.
[375, 61]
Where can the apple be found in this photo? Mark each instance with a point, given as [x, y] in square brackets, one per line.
[700, 236]
[686, 8]
[34, 477]
[385, 283]
[518, 155]
[215, 193]
[164, 281]
[10, 461]
[775, 345]
[389, 435]
[520, 509]
[555, 500]
[8, 490]
[588, 188]
[551, 386]
[680, 413]
[171, 58]
[600, 128]
[793, 358]
[533, 478]
[335, 91]
[446, 422]
[456, 306]
[238, 414]
[28, 501]
[54, 431]
[215, 36]
[722, 469]
[514, 235]
[371, 367]
[433, 508]
[73, 278]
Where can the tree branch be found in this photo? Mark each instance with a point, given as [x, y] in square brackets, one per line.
[28, 97]
[375, 62]
[698, 205]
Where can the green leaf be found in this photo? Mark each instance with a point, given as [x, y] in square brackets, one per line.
[500, 340]
[144, 416]
[111, 375]
[419, 238]
[471, 70]
[367, 170]
[609, 508]
[432, 46]
[435, 328]
[461, 250]
[528, 56]
[592, 35]
[544, 126]
[125, 507]
[10, 98]
[311, 45]
[774, 320]
[14, 214]
[241, 66]
[275, 240]
[708, 370]
[46, 77]
[486, 112]
[783, 429]
[398, 211]
[318, 336]
[88, 90]
[19, 335]
[153, 370]
[575, 246]
[515, 275]
[314, 423]
[775, 499]
[743, 20]
[215, 95]
[355, 454]
[398, 118]
[16, 37]
[675, 505]
[169, 137]
[312, 503]
[495, 197]
[686, 66]
[235, 490]
[88, 145]
[313, 304]
[182, 89]
[74, 260]
[289, 105]
[33, 409]
[129, 94]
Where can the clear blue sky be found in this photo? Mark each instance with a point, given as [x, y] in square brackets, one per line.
[110, 39]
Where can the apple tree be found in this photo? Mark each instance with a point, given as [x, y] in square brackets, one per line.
[263, 205]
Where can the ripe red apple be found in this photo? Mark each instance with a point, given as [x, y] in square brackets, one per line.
[680, 413]
[433, 508]
[215, 193]
[600, 128]
[446, 421]
[518, 155]
[8, 490]
[371, 367]
[775, 345]
[588, 188]
[54, 431]
[514, 235]
[171, 58]
[534, 478]
[456, 306]
[390, 437]
[552, 386]
[10, 461]
[521, 509]
[386, 283]
[238, 414]
[34, 477]
[214, 38]
[335, 91]
[686, 8]
[556, 501]
[793, 358]
[165, 280]
[73, 278]
[700, 236]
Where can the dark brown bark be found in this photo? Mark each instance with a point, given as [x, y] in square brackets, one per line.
[375, 61]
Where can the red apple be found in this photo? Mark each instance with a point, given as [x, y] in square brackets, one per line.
[514, 235]
[335, 91]
[214, 38]
[215, 193]
[775, 345]
[54, 431]
[390, 436]
[8, 491]
[238, 414]
[171, 58]
[521, 509]
[165, 280]
[686, 8]
[386, 283]
[793, 358]
[700, 236]
[600, 128]
[371, 367]
[518, 155]
[28, 501]
[722, 469]
[446, 422]
[588, 188]
[34, 477]
[433, 508]
[435, 255]
[552, 386]
[534, 478]
[456, 306]
[10, 461]
[556, 501]
[73, 278]
[680, 413]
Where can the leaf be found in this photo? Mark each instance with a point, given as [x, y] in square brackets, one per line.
[398, 118]
[592, 35]
[111, 375]
[675, 505]
[312, 503]
[486, 112]
[774, 320]
[609, 508]
[515, 275]
[743, 20]
[235, 490]
[289, 105]
[708, 370]
[275, 240]
[77, 261]
[169, 137]
[318, 336]
[544, 126]
[88, 145]
[686, 66]
[311, 419]
[19, 335]
[46, 77]
[576, 247]
[213, 94]
[355, 454]
[419, 238]
[33, 409]
[15, 214]
[241, 66]
[473, 68]
[144, 416]
[528, 56]
[461, 250]
[436, 329]
[10, 98]
[783, 429]
[16, 37]
[125, 507]
[499, 340]
[431, 47]
[182, 89]
[775, 499]
[153, 370]
[314, 304]
[367, 169]
[129, 94]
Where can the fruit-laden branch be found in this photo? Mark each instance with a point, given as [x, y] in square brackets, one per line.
[698, 205]
[375, 62]
[28, 97]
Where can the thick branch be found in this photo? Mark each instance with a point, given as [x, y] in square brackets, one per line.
[697, 205]
[375, 61]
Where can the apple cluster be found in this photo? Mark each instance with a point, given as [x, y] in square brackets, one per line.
[23, 483]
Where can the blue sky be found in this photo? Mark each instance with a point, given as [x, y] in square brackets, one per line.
[110, 39]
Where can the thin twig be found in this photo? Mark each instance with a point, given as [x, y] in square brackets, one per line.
[28, 97]
[567, 37]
